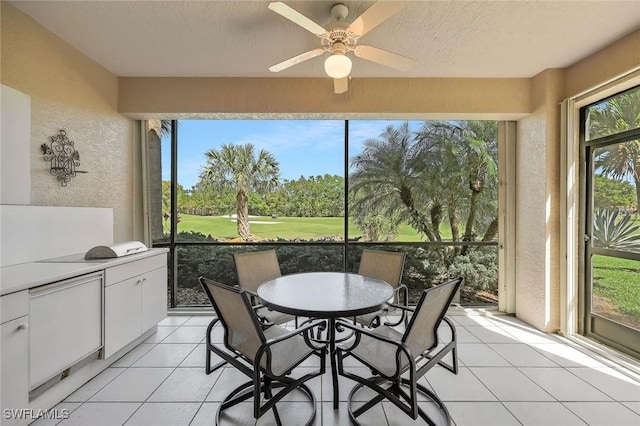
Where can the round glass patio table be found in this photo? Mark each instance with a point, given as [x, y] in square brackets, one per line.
[326, 295]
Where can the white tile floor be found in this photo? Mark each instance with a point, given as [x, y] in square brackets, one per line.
[510, 374]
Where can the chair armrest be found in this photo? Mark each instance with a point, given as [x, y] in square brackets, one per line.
[403, 307]
[263, 320]
[400, 287]
[295, 332]
[401, 347]
[451, 326]
[401, 297]
[399, 291]
[367, 332]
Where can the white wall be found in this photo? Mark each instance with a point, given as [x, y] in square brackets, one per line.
[15, 164]
[31, 233]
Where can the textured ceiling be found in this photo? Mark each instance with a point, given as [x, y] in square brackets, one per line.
[244, 38]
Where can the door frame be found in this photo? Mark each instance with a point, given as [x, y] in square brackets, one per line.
[572, 186]
[595, 326]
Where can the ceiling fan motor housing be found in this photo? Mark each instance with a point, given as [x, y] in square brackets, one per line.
[338, 32]
[339, 12]
[338, 48]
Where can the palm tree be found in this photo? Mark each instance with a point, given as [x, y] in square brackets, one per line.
[387, 172]
[620, 113]
[441, 146]
[481, 151]
[237, 167]
[157, 191]
[161, 128]
[444, 170]
[616, 115]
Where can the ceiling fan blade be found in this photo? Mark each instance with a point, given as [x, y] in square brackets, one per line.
[297, 17]
[340, 85]
[372, 17]
[296, 60]
[383, 57]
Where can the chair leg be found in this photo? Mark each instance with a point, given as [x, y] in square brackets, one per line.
[363, 408]
[453, 367]
[398, 392]
[248, 390]
[435, 399]
[207, 368]
[454, 354]
[276, 415]
[266, 390]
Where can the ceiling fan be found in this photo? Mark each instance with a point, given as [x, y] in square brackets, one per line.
[340, 37]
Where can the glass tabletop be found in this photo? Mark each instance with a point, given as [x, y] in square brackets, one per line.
[325, 294]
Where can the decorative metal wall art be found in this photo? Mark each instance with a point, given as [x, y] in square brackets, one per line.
[63, 157]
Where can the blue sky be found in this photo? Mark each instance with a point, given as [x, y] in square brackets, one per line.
[302, 147]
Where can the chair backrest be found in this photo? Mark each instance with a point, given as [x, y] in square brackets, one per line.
[242, 330]
[383, 265]
[421, 333]
[254, 268]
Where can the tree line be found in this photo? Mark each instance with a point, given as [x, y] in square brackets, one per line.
[313, 196]
[443, 174]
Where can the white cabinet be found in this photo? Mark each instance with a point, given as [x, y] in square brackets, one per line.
[13, 361]
[53, 330]
[66, 325]
[154, 297]
[122, 315]
[135, 300]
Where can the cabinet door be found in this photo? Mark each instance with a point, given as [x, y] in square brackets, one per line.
[122, 314]
[154, 298]
[14, 368]
[65, 325]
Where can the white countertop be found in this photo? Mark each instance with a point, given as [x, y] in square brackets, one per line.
[33, 274]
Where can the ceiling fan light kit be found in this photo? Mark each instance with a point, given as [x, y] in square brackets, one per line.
[337, 65]
[340, 38]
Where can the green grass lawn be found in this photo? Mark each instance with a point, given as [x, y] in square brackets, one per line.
[287, 227]
[618, 281]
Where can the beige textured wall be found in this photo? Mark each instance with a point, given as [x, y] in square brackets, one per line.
[537, 205]
[69, 91]
[367, 97]
[617, 58]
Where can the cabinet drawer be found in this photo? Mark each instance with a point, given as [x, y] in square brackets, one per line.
[65, 325]
[119, 273]
[14, 305]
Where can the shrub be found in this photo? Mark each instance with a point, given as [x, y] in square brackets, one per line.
[613, 233]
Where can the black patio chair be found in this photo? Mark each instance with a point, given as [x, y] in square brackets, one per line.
[398, 359]
[253, 268]
[387, 266]
[266, 355]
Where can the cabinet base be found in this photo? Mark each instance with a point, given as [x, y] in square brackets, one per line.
[34, 393]
[65, 386]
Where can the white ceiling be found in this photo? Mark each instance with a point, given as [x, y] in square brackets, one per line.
[244, 38]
